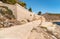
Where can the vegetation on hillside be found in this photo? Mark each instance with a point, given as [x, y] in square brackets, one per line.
[9, 1]
[23, 4]
[53, 14]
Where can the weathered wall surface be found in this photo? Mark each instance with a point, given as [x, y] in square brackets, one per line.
[12, 7]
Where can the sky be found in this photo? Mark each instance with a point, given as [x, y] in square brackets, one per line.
[51, 6]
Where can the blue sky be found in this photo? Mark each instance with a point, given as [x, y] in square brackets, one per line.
[52, 6]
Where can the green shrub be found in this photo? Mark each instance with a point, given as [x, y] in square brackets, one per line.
[22, 4]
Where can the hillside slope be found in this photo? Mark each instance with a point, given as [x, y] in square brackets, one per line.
[52, 17]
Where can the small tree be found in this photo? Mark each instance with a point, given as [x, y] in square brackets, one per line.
[30, 9]
[23, 4]
[39, 13]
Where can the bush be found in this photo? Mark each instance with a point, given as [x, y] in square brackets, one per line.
[22, 4]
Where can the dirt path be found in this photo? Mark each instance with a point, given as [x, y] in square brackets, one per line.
[19, 31]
